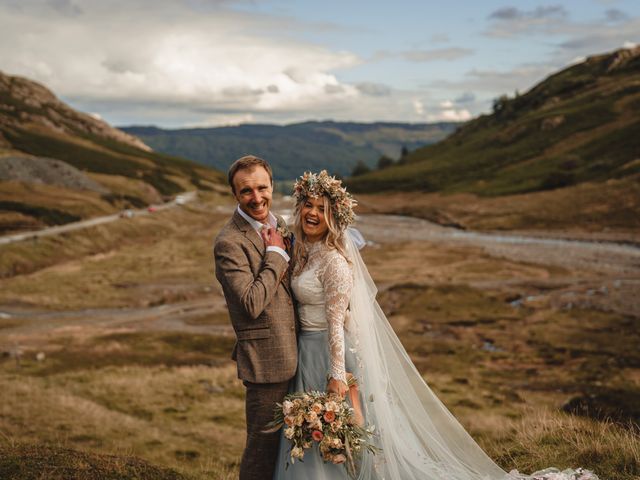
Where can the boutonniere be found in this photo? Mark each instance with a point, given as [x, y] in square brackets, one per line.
[287, 234]
[283, 230]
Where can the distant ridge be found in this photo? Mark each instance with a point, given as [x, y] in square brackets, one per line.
[292, 149]
[581, 124]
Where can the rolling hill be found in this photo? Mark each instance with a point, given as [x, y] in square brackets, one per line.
[58, 165]
[292, 149]
[579, 125]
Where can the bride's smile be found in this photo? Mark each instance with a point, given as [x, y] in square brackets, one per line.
[314, 223]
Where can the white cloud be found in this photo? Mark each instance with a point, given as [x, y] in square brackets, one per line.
[450, 115]
[194, 55]
[446, 104]
[452, 53]
[418, 107]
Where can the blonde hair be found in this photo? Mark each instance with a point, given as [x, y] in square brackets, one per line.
[334, 238]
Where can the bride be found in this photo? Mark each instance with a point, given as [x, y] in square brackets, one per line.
[344, 331]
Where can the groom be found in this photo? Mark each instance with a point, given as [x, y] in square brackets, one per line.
[251, 263]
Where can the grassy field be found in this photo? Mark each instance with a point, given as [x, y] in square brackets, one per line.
[159, 400]
[592, 210]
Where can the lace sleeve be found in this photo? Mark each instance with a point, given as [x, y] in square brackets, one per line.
[337, 280]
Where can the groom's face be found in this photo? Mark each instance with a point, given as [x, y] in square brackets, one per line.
[253, 190]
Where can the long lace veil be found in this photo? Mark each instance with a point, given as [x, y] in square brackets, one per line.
[419, 437]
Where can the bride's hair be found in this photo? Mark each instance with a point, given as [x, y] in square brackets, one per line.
[334, 237]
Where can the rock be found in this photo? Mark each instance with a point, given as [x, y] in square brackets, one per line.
[47, 171]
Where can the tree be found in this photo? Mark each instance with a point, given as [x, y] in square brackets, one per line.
[384, 162]
[360, 169]
[404, 153]
[500, 103]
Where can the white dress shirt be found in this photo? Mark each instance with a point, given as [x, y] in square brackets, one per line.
[257, 226]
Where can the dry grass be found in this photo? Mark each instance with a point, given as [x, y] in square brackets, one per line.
[542, 438]
[187, 418]
[609, 212]
[172, 398]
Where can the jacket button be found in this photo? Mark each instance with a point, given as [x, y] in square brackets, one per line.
[289, 301]
[293, 328]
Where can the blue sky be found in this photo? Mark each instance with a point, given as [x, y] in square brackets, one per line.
[219, 62]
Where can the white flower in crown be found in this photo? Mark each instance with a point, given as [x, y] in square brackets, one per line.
[314, 185]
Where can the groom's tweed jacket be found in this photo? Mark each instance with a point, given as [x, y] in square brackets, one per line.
[258, 296]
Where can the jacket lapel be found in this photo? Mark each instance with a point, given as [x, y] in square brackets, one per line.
[249, 232]
[257, 241]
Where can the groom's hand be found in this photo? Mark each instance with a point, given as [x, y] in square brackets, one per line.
[272, 238]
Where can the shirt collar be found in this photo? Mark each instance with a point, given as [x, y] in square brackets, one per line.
[256, 224]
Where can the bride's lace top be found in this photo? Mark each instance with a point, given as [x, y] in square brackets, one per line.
[322, 289]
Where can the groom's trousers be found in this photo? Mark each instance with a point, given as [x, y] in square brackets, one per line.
[261, 450]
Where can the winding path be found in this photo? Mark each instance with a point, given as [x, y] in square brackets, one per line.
[92, 222]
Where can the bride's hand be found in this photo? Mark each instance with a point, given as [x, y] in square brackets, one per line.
[337, 386]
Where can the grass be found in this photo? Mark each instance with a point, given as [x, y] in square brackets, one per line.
[50, 216]
[608, 210]
[140, 400]
[34, 462]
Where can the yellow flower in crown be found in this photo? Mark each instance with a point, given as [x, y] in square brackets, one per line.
[314, 185]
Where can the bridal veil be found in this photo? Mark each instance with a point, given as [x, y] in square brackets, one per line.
[419, 438]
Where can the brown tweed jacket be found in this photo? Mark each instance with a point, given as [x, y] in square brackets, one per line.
[256, 288]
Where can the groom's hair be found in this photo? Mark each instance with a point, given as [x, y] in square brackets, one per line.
[245, 163]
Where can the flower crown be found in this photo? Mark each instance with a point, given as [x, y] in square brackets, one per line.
[314, 185]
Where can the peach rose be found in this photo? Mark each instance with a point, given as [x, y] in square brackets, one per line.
[329, 416]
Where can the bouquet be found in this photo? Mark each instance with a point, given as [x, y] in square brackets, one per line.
[327, 420]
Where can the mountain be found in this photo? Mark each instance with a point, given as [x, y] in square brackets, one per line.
[581, 124]
[292, 149]
[59, 165]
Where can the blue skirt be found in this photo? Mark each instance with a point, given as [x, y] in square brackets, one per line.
[313, 367]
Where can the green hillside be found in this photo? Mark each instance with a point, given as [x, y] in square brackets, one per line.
[580, 124]
[59, 165]
[292, 149]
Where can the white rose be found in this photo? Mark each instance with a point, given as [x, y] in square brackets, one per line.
[287, 406]
[297, 452]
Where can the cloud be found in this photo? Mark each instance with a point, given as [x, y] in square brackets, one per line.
[418, 107]
[373, 89]
[614, 15]
[452, 53]
[466, 97]
[450, 115]
[511, 21]
[491, 81]
[188, 54]
[513, 13]
[65, 7]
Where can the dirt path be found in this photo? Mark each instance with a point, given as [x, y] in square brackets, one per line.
[92, 222]
[604, 257]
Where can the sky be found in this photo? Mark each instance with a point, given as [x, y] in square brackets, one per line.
[198, 63]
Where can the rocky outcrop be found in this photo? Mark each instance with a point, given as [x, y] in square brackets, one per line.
[46, 171]
[24, 101]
